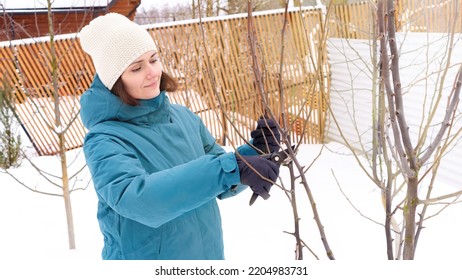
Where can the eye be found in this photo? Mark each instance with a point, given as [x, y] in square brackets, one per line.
[154, 58]
[136, 69]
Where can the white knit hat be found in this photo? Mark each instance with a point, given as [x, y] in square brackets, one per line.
[113, 42]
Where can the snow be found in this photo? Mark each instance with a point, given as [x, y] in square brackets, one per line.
[33, 237]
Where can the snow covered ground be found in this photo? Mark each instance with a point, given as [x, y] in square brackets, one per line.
[34, 245]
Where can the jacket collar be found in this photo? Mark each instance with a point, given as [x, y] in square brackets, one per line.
[99, 104]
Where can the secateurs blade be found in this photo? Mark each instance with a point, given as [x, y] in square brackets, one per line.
[278, 158]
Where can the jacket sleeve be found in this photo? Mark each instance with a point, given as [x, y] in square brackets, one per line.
[211, 147]
[247, 150]
[154, 199]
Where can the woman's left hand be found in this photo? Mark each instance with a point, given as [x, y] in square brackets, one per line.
[266, 136]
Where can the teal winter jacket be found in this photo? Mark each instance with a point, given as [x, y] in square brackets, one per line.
[157, 172]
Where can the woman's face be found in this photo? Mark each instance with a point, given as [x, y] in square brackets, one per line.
[141, 79]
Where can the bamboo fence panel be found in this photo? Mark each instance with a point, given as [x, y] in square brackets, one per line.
[357, 21]
[430, 16]
[27, 68]
[354, 21]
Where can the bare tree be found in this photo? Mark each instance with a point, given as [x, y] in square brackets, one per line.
[208, 8]
[402, 162]
[64, 181]
[297, 171]
[408, 155]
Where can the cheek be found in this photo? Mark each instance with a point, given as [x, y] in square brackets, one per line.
[132, 84]
[157, 67]
[130, 80]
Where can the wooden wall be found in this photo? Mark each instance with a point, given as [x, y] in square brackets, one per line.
[22, 24]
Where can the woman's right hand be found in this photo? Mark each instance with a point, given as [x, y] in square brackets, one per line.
[258, 173]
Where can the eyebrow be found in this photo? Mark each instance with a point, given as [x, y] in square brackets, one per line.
[138, 61]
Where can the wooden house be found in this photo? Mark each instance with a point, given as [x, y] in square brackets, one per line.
[21, 23]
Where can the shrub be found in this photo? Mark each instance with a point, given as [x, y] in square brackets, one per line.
[10, 141]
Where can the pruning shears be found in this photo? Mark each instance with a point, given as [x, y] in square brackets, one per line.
[281, 157]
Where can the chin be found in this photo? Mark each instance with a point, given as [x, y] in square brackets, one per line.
[156, 94]
[151, 94]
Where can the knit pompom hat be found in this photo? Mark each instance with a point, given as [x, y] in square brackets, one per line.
[113, 42]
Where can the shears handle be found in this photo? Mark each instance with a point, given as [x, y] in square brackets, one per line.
[253, 198]
[274, 157]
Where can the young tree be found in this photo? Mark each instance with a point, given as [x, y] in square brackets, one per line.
[411, 157]
[64, 180]
[296, 169]
[403, 160]
[266, 108]
[208, 8]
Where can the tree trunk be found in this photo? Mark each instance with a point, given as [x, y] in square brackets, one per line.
[409, 218]
[209, 8]
[66, 193]
[60, 132]
[232, 7]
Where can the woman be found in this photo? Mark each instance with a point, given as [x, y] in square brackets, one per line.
[156, 168]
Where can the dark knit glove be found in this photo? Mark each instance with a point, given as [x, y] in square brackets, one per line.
[264, 167]
[266, 136]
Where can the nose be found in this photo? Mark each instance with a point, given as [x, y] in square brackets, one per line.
[151, 71]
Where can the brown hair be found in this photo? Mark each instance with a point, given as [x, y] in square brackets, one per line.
[167, 83]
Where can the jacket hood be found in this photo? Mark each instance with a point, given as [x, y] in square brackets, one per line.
[98, 104]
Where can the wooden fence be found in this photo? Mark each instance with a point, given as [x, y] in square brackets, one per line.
[216, 50]
[217, 78]
[26, 67]
[357, 21]
[229, 107]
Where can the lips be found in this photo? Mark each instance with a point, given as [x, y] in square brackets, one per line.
[152, 85]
